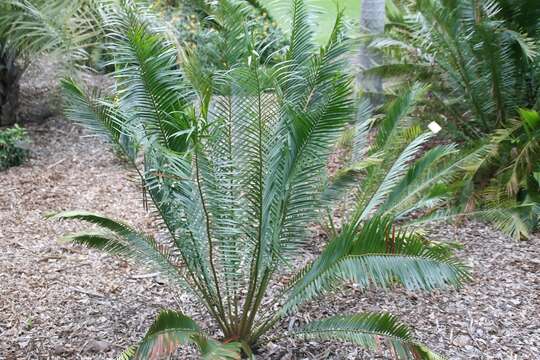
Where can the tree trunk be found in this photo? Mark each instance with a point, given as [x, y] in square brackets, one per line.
[372, 18]
[10, 74]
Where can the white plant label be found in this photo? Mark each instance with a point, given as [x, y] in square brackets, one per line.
[434, 127]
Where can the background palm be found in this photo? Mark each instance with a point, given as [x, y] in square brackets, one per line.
[235, 167]
[29, 28]
[465, 50]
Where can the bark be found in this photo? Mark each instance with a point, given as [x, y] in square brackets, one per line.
[10, 74]
[372, 17]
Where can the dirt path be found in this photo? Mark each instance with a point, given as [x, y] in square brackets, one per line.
[64, 301]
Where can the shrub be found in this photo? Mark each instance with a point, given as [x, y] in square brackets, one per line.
[507, 177]
[479, 57]
[234, 165]
[12, 151]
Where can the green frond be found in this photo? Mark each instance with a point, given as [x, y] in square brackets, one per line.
[99, 240]
[394, 176]
[128, 353]
[370, 330]
[127, 240]
[56, 26]
[377, 255]
[150, 85]
[395, 113]
[301, 34]
[172, 329]
[93, 218]
[211, 349]
[100, 116]
[415, 190]
[510, 218]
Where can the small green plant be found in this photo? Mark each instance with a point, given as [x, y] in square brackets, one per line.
[12, 153]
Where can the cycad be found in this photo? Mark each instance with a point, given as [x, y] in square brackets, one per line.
[480, 67]
[513, 191]
[29, 28]
[235, 167]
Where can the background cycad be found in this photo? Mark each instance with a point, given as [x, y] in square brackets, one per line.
[234, 165]
[482, 65]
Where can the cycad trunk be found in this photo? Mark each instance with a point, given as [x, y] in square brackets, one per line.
[10, 74]
[372, 17]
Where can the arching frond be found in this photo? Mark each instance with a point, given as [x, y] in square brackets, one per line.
[65, 27]
[371, 331]
[378, 255]
[98, 240]
[126, 241]
[99, 115]
[149, 83]
[172, 329]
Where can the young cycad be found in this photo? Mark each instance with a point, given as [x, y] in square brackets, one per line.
[235, 167]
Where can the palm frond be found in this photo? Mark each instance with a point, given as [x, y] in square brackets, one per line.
[127, 242]
[99, 115]
[151, 87]
[69, 28]
[172, 329]
[397, 172]
[377, 255]
[369, 330]
[99, 240]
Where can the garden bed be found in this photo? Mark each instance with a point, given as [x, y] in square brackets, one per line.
[63, 301]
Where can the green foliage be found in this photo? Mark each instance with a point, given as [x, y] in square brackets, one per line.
[11, 151]
[360, 329]
[29, 28]
[234, 164]
[507, 175]
[481, 65]
[64, 27]
[220, 32]
[481, 60]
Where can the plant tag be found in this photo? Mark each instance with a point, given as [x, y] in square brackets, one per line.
[434, 127]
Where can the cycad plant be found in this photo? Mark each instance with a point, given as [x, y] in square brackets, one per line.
[481, 64]
[234, 166]
[507, 176]
[31, 28]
